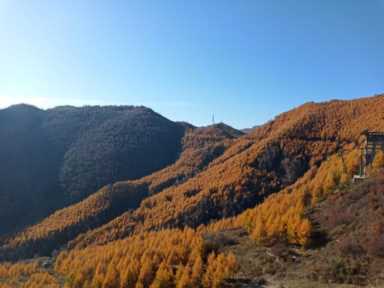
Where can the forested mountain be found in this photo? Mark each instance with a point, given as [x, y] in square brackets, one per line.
[59, 156]
[232, 209]
[266, 161]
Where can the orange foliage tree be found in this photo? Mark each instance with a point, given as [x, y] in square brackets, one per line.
[282, 216]
[168, 258]
[378, 161]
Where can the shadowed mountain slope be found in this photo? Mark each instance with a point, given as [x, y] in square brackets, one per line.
[200, 146]
[59, 156]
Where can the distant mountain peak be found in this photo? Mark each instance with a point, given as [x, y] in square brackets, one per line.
[23, 107]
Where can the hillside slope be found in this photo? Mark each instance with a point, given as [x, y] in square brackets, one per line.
[351, 220]
[274, 156]
[200, 146]
[351, 217]
[59, 156]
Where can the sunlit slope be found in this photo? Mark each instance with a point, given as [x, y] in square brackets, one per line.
[271, 158]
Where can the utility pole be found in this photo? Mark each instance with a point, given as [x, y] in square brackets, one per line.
[213, 119]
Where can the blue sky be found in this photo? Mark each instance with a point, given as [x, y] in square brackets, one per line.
[244, 61]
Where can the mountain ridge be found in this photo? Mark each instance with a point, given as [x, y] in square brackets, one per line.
[240, 181]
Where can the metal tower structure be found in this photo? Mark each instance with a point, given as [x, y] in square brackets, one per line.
[372, 142]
